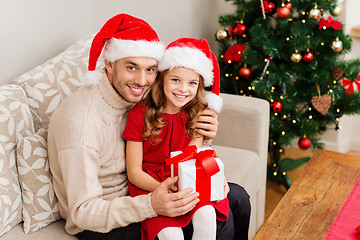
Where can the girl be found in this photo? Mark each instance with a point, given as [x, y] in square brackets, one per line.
[164, 122]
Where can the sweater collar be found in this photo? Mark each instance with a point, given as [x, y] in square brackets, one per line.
[111, 96]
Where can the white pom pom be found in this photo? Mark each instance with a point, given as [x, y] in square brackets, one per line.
[92, 78]
[214, 101]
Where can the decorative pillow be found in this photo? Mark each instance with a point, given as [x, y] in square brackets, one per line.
[15, 122]
[47, 85]
[40, 206]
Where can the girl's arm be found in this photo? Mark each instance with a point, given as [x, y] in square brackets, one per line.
[134, 157]
[198, 141]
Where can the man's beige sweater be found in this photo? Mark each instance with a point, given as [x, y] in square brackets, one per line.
[87, 161]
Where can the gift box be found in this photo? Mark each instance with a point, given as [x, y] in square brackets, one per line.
[200, 169]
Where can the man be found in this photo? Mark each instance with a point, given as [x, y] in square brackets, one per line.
[86, 150]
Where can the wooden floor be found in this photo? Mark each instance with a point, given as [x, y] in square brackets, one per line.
[274, 191]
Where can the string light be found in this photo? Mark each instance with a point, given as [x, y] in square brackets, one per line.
[310, 116]
[294, 121]
[287, 39]
[283, 133]
[275, 173]
[303, 21]
[281, 150]
[338, 110]
[284, 173]
[274, 143]
[310, 108]
[253, 88]
[334, 82]
[284, 116]
[229, 61]
[237, 78]
[322, 43]
[281, 97]
[222, 56]
[226, 75]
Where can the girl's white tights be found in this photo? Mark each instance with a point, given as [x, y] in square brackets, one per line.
[204, 223]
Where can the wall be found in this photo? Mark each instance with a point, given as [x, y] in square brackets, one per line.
[33, 31]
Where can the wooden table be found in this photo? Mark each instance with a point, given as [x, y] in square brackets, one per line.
[312, 203]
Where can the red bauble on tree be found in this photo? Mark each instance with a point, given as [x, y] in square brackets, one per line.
[308, 57]
[269, 7]
[245, 72]
[237, 30]
[276, 106]
[304, 143]
[283, 12]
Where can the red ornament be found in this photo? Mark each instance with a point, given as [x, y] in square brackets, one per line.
[308, 57]
[269, 7]
[283, 12]
[245, 72]
[237, 30]
[276, 106]
[304, 143]
[288, 5]
[234, 53]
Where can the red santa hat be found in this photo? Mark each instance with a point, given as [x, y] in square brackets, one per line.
[124, 36]
[195, 54]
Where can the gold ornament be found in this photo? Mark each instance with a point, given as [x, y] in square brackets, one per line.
[315, 13]
[336, 11]
[221, 34]
[296, 57]
[337, 45]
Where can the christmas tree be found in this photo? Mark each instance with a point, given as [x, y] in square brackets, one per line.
[291, 54]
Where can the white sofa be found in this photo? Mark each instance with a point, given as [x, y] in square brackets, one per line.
[27, 200]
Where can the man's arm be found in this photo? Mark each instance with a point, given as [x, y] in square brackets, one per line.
[207, 124]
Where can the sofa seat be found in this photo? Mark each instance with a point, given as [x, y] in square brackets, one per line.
[54, 231]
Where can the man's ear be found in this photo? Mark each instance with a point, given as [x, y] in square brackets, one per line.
[109, 67]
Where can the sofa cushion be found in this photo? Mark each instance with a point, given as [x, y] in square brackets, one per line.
[55, 231]
[48, 84]
[39, 201]
[15, 122]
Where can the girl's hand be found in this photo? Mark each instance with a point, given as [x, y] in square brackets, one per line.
[207, 124]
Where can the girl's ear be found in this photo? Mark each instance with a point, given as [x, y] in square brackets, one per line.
[109, 66]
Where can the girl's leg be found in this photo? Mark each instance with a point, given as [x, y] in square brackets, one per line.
[171, 233]
[204, 223]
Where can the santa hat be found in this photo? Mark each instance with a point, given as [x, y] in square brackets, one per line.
[195, 54]
[125, 36]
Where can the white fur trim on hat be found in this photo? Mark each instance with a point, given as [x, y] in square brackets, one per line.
[92, 78]
[214, 101]
[116, 49]
[191, 58]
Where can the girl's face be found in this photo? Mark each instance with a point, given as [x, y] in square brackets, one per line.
[180, 87]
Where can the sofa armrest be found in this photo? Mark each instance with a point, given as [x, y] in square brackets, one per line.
[244, 124]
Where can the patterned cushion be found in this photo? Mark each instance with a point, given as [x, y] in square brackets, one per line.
[15, 122]
[39, 201]
[48, 84]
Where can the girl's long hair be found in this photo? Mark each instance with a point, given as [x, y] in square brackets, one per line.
[156, 102]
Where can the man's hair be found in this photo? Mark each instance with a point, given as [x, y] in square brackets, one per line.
[156, 102]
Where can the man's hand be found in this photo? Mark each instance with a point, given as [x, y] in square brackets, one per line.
[167, 203]
[207, 124]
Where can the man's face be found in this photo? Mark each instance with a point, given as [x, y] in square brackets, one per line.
[131, 77]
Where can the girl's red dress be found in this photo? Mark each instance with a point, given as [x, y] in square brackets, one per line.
[173, 138]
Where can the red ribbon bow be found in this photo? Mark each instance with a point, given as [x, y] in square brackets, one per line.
[206, 166]
[234, 53]
[351, 85]
[329, 23]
